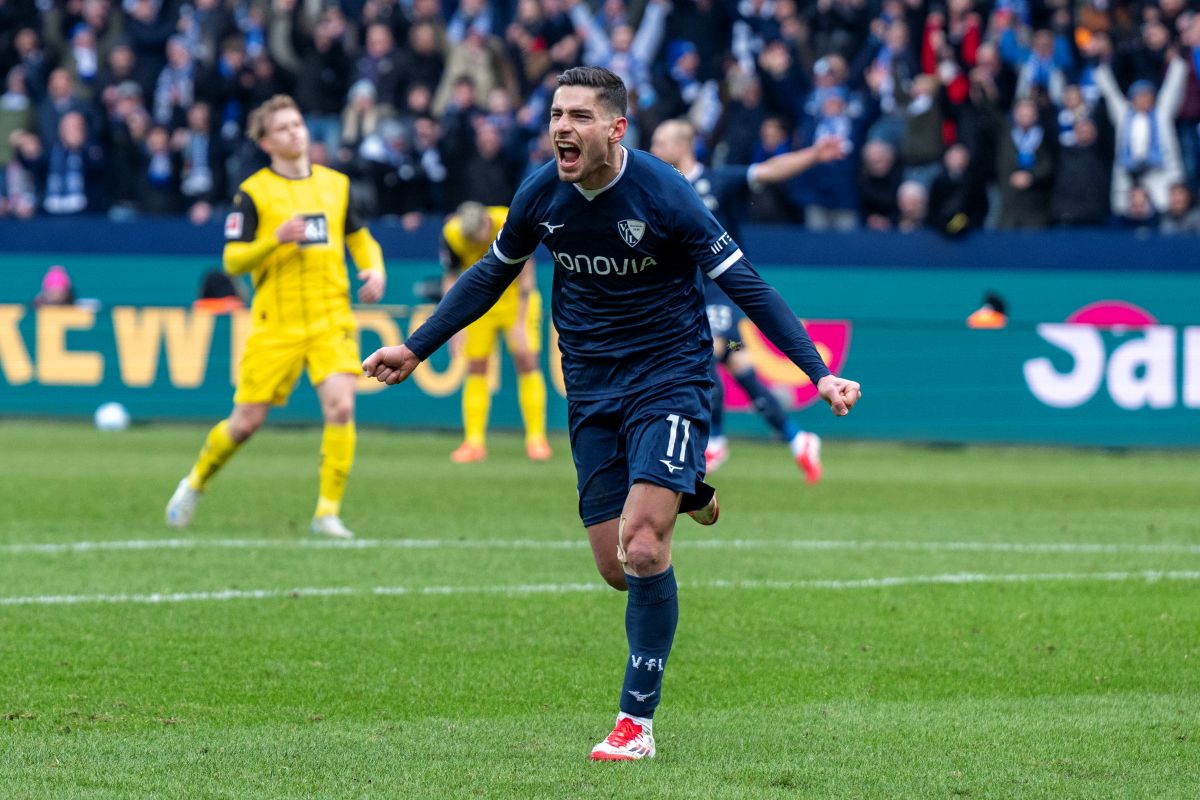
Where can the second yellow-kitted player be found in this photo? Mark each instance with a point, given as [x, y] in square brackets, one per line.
[517, 315]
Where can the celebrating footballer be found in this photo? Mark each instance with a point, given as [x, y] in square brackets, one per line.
[630, 241]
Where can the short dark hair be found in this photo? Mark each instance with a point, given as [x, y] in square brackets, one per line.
[610, 89]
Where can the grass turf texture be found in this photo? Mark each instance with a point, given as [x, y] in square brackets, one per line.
[776, 688]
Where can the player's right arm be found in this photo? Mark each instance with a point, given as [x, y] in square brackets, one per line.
[476, 290]
[474, 293]
[717, 255]
[245, 245]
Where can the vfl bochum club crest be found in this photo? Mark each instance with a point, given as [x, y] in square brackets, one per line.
[631, 231]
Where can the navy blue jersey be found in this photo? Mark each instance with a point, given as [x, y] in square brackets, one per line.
[628, 259]
[628, 299]
[725, 191]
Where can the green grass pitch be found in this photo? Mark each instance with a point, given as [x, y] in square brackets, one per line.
[926, 623]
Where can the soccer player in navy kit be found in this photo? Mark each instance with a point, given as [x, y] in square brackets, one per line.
[630, 241]
[725, 191]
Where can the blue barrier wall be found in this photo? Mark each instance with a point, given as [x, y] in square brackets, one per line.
[1053, 250]
[1102, 345]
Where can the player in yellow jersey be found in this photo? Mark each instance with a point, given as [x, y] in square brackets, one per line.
[290, 226]
[466, 236]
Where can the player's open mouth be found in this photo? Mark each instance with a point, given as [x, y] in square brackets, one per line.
[568, 154]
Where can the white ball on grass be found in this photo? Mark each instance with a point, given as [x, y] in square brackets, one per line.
[112, 417]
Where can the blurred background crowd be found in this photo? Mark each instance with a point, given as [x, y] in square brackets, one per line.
[955, 115]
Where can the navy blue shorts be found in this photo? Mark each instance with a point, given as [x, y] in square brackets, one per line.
[657, 436]
[723, 314]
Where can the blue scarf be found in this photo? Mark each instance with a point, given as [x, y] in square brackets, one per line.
[840, 127]
[1027, 143]
[65, 193]
[1154, 154]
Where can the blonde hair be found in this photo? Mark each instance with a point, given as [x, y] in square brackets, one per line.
[472, 218]
[256, 126]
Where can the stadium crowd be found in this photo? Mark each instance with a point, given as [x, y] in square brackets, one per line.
[955, 116]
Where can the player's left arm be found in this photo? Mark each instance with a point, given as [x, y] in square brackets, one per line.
[719, 257]
[786, 166]
[367, 256]
[767, 309]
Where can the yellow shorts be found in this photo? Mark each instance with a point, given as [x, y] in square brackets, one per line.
[502, 318]
[271, 362]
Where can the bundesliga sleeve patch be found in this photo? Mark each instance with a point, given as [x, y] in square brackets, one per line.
[234, 224]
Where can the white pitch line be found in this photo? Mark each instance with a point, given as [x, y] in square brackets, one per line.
[682, 542]
[523, 590]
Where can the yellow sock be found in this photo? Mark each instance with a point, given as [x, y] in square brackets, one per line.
[337, 454]
[531, 394]
[477, 401]
[217, 449]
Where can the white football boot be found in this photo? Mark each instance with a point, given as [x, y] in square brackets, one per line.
[331, 525]
[182, 505]
[629, 741]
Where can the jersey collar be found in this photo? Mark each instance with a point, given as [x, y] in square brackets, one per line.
[694, 173]
[592, 194]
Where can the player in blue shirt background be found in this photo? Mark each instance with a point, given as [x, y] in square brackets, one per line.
[726, 192]
[630, 241]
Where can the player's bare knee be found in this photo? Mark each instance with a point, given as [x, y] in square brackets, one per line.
[645, 552]
[477, 366]
[339, 412]
[646, 558]
[525, 361]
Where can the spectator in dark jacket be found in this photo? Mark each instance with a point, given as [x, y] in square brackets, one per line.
[149, 25]
[60, 99]
[70, 170]
[739, 127]
[493, 169]
[878, 182]
[424, 59]
[225, 86]
[201, 163]
[957, 199]
[324, 75]
[829, 191]
[381, 65]
[1080, 194]
[1025, 170]
[769, 202]
[159, 193]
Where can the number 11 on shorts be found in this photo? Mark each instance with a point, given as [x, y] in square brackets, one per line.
[674, 419]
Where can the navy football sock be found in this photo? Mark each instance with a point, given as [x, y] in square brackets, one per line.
[716, 425]
[651, 613]
[766, 403]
